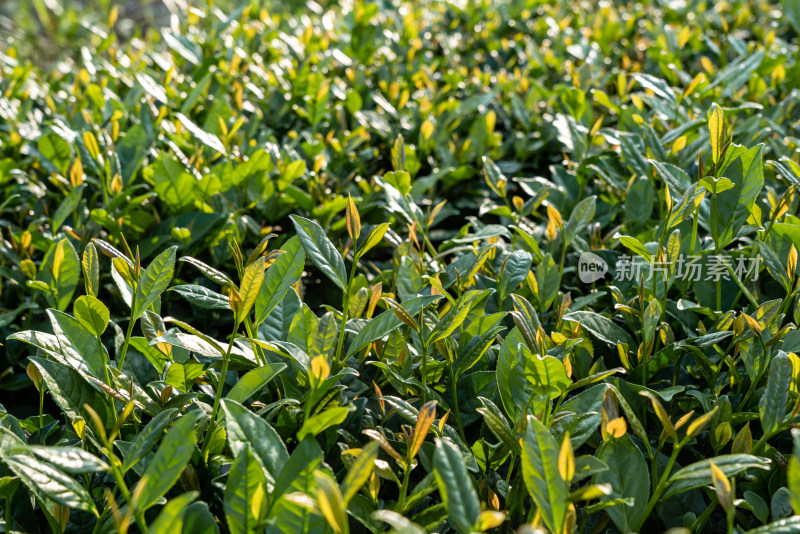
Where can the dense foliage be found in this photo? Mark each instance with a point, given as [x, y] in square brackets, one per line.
[314, 268]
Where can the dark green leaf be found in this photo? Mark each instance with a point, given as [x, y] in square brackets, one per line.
[202, 297]
[320, 250]
[629, 477]
[170, 460]
[540, 471]
[71, 392]
[244, 427]
[245, 493]
[253, 381]
[48, 482]
[775, 398]
[279, 277]
[153, 282]
[699, 473]
[455, 486]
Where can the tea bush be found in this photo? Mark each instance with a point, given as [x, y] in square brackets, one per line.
[513, 266]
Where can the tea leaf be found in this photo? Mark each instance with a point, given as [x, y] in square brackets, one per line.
[773, 402]
[321, 251]
[245, 481]
[716, 131]
[249, 288]
[154, 281]
[92, 314]
[253, 381]
[540, 471]
[202, 297]
[279, 277]
[359, 471]
[699, 473]
[50, 483]
[629, 479]
[455, 486]
[171, 458]
[245, 428]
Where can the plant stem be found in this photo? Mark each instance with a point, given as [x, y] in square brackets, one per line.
[716, 246]
[99, 521]
[404, 488]
[695, 219]
[718, 370]
[337, 356]
[41, 407]
[424, 365]
[120, 479]
[252, 333]
[644, 373]
[729, 516]
[511, 467]
[128, 334]
[662, 482]
[108, 381]
[220, 384]
[455, 404]
[760, 443]
[697, 526]
[750, 391]
[424, 231]
[105, 367]
[226, 358]
[771, 223]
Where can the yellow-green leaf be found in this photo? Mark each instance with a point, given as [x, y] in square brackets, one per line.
[353, 219]
[722, 486]
[153, 281]
[566, 459]
[92, 314]
[401, 313]
[716, 131]
[426, 416]
[374, 237]
[697, 425]
[91, 270]
[331, 503]
[360, 471]
[249, 288]
[662, 414]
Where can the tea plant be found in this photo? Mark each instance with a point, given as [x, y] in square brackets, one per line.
[407, 267]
